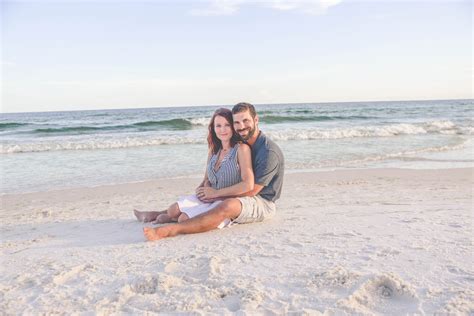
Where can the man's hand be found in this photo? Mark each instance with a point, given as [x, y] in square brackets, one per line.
[206, 194]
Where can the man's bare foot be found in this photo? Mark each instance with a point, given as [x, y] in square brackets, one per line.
[152, 234]
[164, 218]
[146, 217]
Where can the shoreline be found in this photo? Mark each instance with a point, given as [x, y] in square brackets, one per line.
[359, 241]
[198, 176]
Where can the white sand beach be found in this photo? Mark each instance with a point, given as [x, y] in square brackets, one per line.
[373, 241]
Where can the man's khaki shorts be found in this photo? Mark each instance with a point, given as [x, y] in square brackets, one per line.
[255, 209]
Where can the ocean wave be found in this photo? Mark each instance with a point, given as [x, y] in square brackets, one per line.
[92, 144]
[299, 111]
[172, 124]
[439, 127]
[65, 130]
[99, 142]
[200, 121]
[274, 119]
[469, 130]
[11, 125]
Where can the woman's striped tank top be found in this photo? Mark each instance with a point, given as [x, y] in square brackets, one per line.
[228, 173]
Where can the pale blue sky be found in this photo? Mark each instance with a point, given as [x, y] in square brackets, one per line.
[72, 55]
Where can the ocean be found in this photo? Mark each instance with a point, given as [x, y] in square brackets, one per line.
[43, 151]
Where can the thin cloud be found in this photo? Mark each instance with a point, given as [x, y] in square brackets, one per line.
[306, 6]
[218, 7]
[231, 7]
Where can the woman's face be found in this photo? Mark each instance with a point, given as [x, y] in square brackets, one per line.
[222, 128]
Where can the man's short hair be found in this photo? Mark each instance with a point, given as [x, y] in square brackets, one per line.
[244, 106]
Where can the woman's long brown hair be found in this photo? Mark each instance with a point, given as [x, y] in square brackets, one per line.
[215, 143]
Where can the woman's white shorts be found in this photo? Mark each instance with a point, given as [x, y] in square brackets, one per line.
[192, 206]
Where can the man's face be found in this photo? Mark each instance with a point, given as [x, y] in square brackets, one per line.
[245, 125]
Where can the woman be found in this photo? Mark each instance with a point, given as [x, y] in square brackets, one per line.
[228, 173]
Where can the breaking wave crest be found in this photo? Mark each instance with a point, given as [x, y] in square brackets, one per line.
[440, 127]
[92, 144]
[273, 119]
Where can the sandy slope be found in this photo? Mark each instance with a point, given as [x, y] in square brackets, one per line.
[363, 241]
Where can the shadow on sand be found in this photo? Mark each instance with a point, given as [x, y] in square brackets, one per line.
[86, 233]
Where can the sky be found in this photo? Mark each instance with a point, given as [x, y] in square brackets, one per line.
[82, 55]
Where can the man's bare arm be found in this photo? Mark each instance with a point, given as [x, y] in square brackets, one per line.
[256, 190]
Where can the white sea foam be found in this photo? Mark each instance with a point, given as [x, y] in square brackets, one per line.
[468, 130]
[200, 121]
[96, 144]
[440, 127]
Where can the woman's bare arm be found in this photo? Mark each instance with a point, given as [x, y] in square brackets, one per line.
[244, 159]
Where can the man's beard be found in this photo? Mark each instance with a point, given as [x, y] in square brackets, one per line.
[249, 135]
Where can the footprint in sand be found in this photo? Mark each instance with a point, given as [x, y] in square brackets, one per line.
[152, 284]
[335, 277]
[387, 252]
[195, 267]
[461, 303]
[245, 295]
[73, 273]
[383, 294]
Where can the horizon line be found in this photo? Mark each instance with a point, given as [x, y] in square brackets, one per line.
[255, 104]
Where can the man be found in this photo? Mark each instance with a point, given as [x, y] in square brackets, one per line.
[254, 206]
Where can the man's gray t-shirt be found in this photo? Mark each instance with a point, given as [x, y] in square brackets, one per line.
[268, 167]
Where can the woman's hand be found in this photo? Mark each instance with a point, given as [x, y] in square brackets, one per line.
[206, 193]
[205, 183]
